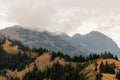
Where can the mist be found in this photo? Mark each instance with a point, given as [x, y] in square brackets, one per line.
[68, 16]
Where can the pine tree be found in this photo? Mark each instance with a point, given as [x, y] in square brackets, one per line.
[118, 75]
[96, 66]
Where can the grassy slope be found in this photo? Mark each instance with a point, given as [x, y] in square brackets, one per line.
[10, 49]
[43, 61]
[91, 73]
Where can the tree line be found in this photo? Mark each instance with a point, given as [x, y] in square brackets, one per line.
[80, 58]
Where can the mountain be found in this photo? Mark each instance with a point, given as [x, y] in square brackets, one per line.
[93, 42]
[44, 39]
[96, 42]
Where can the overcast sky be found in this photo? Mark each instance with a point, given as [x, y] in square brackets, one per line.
[69, 16]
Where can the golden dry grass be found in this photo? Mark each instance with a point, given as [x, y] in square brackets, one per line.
[10, 49]
[91, 73]
[108, 77]
[42, 62]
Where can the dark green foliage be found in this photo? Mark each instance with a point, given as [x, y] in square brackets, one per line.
[40, 51]
[91, 57]
[99, 76]
[11, 78]
[56, 72]
[107, 55]
[96, 66]
[107, 68]
[3, 72]
[20, 60]
[14, 61]
[118, 75]
[116, 57]
[35, 74]
[61, 55]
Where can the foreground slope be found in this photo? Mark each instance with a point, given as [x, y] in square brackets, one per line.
[23, 63]
[91, 73]
[15, 65]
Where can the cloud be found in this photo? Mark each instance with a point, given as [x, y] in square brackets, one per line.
[44, 15]
[58, 15]
[69, 16]
[31, 13]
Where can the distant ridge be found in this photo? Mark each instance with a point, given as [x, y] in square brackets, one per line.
[93, 42]
[96, 42]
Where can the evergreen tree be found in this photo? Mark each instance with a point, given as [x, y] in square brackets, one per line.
[107, 68]
[118, 75]
[96, 66]
[99, 76]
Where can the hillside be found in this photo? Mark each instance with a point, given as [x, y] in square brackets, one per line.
[15, 65]
[91, 73]
[8, 48]
[23, 63]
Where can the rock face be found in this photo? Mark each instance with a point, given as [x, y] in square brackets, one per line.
[35, 39]
[76, 45]
[96, 42]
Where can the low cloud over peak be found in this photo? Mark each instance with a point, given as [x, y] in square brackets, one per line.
[69, 16]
